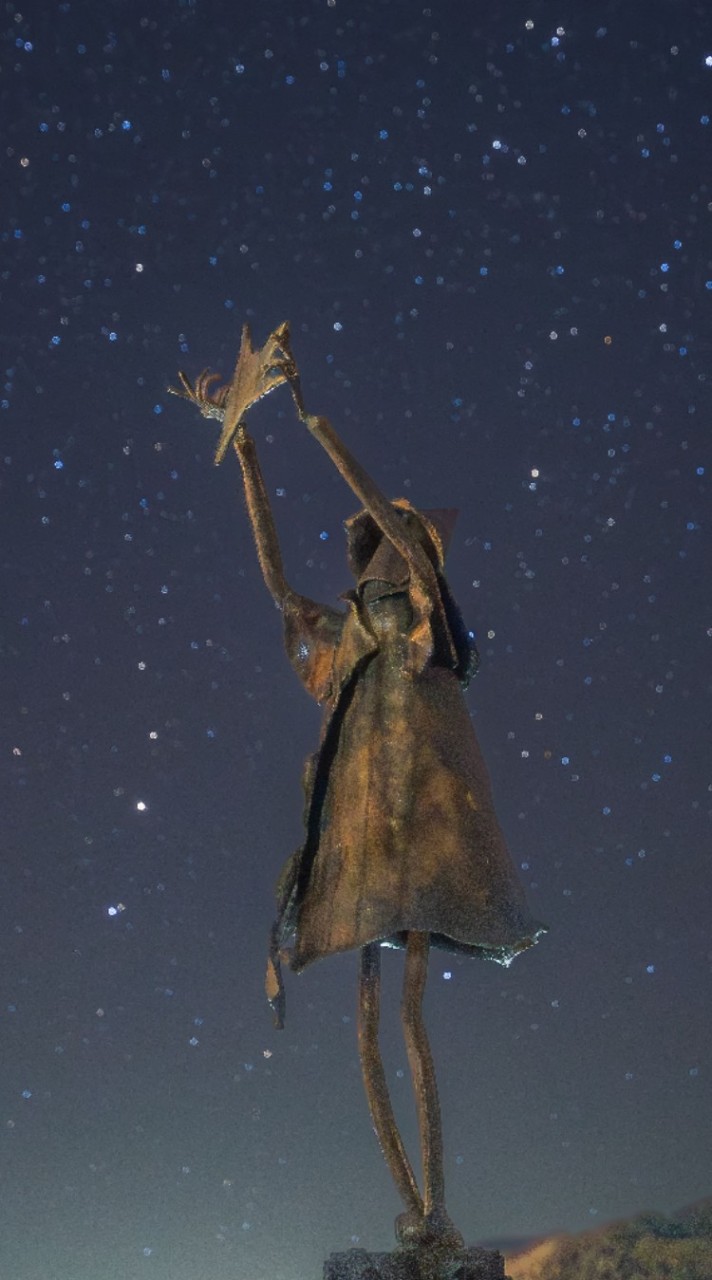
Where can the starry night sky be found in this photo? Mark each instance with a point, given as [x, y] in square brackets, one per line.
[490, 231]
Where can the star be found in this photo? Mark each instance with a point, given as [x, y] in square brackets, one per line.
[257, 372]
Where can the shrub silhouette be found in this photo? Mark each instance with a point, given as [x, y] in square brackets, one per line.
[649, 1247]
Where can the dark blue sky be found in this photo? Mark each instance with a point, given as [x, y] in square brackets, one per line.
[491, 235]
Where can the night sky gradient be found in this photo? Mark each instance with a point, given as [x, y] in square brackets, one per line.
[490, 229]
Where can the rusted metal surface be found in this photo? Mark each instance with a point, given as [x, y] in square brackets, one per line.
[402, 846]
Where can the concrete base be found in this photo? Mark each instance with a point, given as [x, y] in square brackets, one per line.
[415, 1264]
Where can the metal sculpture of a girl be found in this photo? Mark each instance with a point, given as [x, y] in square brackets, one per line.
[402, 846]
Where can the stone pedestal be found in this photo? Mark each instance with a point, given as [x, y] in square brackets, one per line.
[415, 1264]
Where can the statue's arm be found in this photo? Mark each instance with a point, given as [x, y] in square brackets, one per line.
[256, 374]
[260, 512]
[378, 506]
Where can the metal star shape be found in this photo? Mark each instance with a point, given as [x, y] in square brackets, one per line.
[257, 372]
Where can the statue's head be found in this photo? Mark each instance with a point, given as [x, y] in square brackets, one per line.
[372, 556]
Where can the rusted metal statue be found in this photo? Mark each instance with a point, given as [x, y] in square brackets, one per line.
[402, 845]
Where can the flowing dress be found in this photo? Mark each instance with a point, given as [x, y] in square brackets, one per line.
[401, 831]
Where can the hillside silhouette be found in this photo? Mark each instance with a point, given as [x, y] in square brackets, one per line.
[651, 1246]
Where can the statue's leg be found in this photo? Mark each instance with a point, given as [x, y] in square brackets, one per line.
[422, 1069]
[384, 1121]
[437, 1224]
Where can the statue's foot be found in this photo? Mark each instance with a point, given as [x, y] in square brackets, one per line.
[434, 1230]
[409, 1228]
[441, 1231]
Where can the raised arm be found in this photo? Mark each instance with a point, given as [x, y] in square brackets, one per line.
[257, 372]
[260, 512]
[423, 574]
